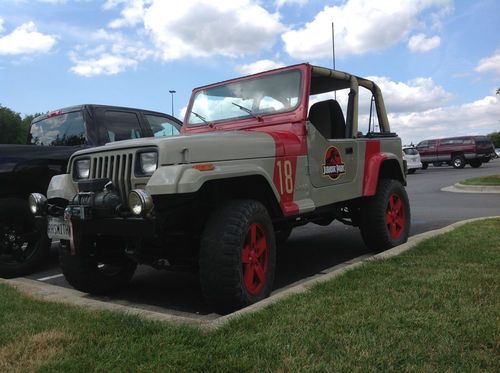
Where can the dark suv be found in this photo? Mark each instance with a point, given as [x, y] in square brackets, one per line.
[28, 168]
[456, 151]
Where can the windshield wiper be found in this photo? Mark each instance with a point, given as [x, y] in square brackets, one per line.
[203, 119]
[246, 110]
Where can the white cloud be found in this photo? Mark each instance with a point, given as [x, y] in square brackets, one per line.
[205, 28]
[415, 95]
[111, 54]
[104, 65]
[25, 39]
[258, 66]
[490, 64]
[420, 43]
[43, 1]
[110, 4]
[182, 112]
[361, 26]
[280, 3]
[131, 15]
[418, 94]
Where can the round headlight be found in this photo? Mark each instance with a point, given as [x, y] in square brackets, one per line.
[82, 168]
[37, 203]
[148, 162]
[140, 202]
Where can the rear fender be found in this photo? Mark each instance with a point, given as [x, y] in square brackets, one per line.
[381, 165]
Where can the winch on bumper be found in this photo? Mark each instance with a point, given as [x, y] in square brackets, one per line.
[96, 210]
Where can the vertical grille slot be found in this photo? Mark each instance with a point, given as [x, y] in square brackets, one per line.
[110, 168]
[117, 167]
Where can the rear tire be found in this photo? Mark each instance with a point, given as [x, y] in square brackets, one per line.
[385, 217]
[237, 256]
[94, 274]
[458, 161]
[476, 163]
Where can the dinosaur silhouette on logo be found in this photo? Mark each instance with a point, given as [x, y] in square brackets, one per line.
[333, 167]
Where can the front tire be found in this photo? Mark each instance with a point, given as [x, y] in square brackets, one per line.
[425, 165]
[237, 256]
[385, 217]
[93, 273]
[412, 171]
[458, 161]
[22, 248]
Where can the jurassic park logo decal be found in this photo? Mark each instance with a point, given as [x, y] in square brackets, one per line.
[333, 167]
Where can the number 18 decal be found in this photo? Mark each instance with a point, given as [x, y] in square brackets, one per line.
[285, 174]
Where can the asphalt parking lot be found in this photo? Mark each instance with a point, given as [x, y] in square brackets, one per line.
[310, 251]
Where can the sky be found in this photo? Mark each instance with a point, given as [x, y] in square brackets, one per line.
[436, 61]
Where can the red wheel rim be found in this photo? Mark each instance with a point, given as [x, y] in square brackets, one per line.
[255, 259]
[395, 216]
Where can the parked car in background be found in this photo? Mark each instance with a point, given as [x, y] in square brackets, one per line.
[28, 168]
[412, 158]
[456, 151]
[497, 153]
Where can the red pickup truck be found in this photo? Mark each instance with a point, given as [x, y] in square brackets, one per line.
[456, 151]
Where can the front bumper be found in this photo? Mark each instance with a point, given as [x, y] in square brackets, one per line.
[97, 210]
[122, 227]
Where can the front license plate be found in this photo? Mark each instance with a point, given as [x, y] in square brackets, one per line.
[58, 228]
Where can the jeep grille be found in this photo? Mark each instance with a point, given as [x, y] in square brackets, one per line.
[116, 167]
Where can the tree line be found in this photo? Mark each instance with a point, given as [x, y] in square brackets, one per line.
[13, 127]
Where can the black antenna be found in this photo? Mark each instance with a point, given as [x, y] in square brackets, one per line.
[333, 52]
[333, 45]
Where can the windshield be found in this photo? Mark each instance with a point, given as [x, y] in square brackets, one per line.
[253, 97]
[63, 129]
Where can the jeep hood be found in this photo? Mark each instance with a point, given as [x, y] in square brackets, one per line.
[205, 147]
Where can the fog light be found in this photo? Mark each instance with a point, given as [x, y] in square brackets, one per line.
[140, 202]
[38, 204]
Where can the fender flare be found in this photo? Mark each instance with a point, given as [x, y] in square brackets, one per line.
[372, 171]
[61, 186]
[179, 179]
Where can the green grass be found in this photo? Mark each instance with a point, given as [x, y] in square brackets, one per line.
[434, 308]
[485, 180]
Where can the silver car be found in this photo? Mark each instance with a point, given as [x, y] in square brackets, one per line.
[412, 158]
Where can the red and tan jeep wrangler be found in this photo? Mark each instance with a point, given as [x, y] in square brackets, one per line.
[257, 156]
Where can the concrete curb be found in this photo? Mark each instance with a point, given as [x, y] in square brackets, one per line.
[462, 188]
[48, 292]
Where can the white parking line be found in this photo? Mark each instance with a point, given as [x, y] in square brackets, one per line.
[50, 277]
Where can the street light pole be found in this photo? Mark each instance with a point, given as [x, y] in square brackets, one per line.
[172, 93]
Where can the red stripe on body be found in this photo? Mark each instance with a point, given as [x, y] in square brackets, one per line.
[373, 160]
[288, 147]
